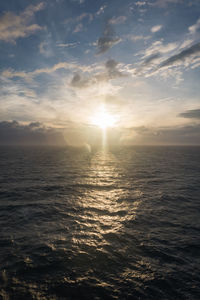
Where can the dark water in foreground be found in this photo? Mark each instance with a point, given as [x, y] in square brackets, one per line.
[119, 225]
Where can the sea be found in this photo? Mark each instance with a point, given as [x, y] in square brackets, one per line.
[81, 223]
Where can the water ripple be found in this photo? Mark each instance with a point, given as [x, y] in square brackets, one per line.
[123, 224]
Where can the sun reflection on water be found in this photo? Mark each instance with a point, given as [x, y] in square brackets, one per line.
[104, 204]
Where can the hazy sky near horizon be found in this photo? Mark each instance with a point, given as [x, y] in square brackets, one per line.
[60, 61]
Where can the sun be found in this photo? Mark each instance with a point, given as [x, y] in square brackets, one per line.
[103, 119]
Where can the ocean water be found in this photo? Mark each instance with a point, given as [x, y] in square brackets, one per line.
[117, 224]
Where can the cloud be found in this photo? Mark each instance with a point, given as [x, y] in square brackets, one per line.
[80, 82]
[8, 91]
[147, 64]
[140, 3]
[108, 39]
[10, 73]
[84, 16]
[158, 46]
[101, 10]
[186, 43]
[112, 72]
[68, 45]
[156, 28]
[79, 18]
[118, 20]
[180, 135]
[45, 48]
[181, 56]
[14, 26]
[35, 133]
[154, 65]
[164, 3]
[78, 1]
[151, 58]
[191, 114]
[138, 37]
[78, 28]
[195, 63]
[194, 28]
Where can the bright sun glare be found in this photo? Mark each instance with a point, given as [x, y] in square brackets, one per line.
[103, 119]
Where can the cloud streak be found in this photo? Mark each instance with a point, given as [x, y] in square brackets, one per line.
[10, 73]
[191, 114]
[178, 135]
[181, 56]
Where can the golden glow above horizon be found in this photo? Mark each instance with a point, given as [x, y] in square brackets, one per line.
[103, 119]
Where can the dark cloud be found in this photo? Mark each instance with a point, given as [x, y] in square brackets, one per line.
[191, 114]
[79, 82]
[194, 49]
[35, 125]
[111, 64]
[183, 135]
[113, 72]
[14, 133]
[108, 39]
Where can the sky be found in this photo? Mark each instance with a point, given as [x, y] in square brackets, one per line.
[64, 61]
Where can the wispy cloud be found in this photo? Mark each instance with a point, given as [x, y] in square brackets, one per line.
[45, 47]
[118, 20]
[155, 61]
[101, 10]
[135, 38]
[10, 73]
[194, 28]
[156, 28]
[140, 3]
[78, 28]
[14, 26]
[159, 46]
[85, 16]
[68, 45]
[182, 56]
[151, 58]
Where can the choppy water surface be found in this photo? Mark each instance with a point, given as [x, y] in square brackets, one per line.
[121, 224]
